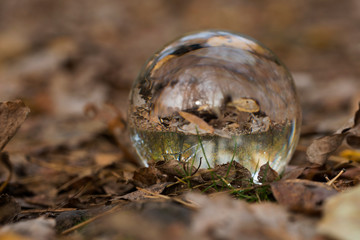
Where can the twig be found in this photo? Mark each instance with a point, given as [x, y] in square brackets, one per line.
[77, 194]
[117, 207]
[47, 210]
[333, 185]
[258, 197]
[158, 195]
[181, 180]
[331, 182]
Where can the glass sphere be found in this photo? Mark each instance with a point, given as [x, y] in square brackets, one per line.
[214, 97]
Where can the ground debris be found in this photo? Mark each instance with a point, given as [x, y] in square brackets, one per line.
[140, 194]
[144, 177]
[341, 218]
[302, 195]
[320, 149]
[9, 208]
[225, 218]
[267, 174]
[12, 115]
[74, 175]
[40, 228]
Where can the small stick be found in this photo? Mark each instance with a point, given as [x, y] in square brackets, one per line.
[258, 197]
[333, 185]
[180, 180]
[336, 177]
[48, 210]
[158, 195]
[90, 220]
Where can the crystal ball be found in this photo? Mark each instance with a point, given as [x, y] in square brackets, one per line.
[214, 97]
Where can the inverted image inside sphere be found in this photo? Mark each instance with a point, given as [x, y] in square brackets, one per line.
[227, 88]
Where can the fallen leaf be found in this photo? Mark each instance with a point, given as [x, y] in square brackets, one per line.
[353, 140]
[198, 121]
[40, 228]
[234, 174]
[352, 155]
[302, 195]
[341, 218]
[9, 208]
[276, 218]
[357, 117]
[222, 217]
[352, 173]
[129, 224]
[353, 136]
[245, 105]
[5, 161]
[176, 168]
[267, 174]
[105, 159]
[292, 172]
[313, 172]
[146, 176]
[68, 219]
[165, 212]
[12, 115]
[320, 149]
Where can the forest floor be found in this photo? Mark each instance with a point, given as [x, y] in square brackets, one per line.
[68, 172]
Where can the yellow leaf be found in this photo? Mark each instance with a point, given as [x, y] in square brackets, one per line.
[245, 105]
[351, 155]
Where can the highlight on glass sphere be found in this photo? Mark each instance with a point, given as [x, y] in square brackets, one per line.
[215, 97]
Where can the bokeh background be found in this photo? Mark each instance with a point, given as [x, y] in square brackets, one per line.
[59, 56]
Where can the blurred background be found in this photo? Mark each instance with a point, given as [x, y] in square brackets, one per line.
[59, 56]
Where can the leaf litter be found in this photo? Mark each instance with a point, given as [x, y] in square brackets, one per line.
[87, 187]
[75, 177]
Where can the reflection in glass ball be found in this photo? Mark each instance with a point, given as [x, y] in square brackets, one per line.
[214, 97]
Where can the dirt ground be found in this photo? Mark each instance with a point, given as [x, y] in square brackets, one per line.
[73, 175]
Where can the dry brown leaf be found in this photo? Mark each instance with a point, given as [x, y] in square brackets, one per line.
[341, 218]
[222, 217]
[198, 121]
[12, 115]
[218, 170]
[320, 149]
[292, 172]
[142, 223]
[352, 173]
[235, 174]
[146, 176]
[9, 208]
[267, 174]
[353, 134]
[353, 140]
[5, 162]
[302, 195]
[313, 171]
[175, 168]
